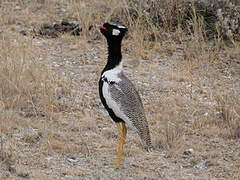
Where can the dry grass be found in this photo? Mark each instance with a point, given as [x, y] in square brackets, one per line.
[53, 124]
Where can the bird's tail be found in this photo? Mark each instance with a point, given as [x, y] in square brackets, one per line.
[145, 138]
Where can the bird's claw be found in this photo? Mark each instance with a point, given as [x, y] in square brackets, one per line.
[116, 164]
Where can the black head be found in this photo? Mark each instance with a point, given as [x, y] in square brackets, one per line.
[113, 31]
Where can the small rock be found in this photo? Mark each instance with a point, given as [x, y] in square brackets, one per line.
[68, 177]
[72, 160]
[23, 32]
[50, 158]
[188, 151]
[211, 163]
[17, 8]
[24, 175]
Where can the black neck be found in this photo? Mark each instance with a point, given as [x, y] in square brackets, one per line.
[114, 54]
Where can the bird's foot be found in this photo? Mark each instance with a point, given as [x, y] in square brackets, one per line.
[117, 163]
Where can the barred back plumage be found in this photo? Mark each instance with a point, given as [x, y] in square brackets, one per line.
[129, 101]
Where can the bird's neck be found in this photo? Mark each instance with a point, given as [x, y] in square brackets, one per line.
[114, 55]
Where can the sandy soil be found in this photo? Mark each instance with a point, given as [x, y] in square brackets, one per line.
[192, 139]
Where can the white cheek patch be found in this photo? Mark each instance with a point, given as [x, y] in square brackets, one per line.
[115, 32]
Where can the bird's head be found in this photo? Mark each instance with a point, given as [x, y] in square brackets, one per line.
[113, 31]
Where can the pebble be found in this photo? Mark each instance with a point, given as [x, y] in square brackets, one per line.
[68, 177]
[188, 151]
[72, 160]
[17, 8]
[50, 158]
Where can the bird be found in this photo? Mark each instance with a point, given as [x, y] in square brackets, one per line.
[118, 94]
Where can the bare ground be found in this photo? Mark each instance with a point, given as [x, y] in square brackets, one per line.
[192, 108]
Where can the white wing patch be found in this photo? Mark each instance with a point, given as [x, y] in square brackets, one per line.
[112, 104]
[115, 32]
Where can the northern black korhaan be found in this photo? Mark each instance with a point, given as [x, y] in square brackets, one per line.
[119, 95]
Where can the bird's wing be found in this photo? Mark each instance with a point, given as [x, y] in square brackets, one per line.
[124, 100]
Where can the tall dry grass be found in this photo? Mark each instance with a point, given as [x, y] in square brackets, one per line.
[26, 84]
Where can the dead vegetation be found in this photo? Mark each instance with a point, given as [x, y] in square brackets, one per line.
[183, 58]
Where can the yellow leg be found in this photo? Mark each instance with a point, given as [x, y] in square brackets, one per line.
[122, 129]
